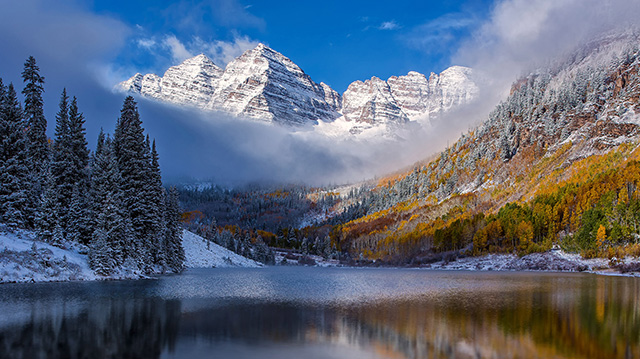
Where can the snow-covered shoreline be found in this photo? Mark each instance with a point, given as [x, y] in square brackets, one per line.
[25, 259]
[551, 261]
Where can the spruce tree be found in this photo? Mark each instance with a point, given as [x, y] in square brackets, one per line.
[14, 173]
[156, 199]
[132, 155]
[107, 199]
[77, 219]
[62, 162]
[80, 211]
[47, 214]
[36, 128]
[34, 115]
[173, 237]
[78, 143]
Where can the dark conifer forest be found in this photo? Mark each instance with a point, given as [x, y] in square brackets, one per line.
[110, 200]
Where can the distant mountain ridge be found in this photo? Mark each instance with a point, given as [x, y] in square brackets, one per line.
[265, 85]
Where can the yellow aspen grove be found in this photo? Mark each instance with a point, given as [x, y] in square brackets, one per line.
[601, 236]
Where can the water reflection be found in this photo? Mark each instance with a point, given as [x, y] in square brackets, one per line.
[319, 313]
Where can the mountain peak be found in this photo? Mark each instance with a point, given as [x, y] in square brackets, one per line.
[264, 84]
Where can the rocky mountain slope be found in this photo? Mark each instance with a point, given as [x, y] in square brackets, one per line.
[265, 85]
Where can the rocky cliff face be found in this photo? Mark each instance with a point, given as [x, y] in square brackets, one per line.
[413, 97]
[264, 84]
[190, 83]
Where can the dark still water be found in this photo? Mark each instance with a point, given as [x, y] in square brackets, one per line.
[290, 312]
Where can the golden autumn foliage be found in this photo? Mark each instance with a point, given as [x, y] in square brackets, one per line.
[591, 205]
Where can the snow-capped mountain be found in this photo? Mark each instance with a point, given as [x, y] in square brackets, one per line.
[401, 99]
[263, 84]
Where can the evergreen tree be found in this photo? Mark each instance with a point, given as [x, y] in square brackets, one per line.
[36, 127]
[78, 144]
[173, 238]
[156, 198]
[107, 199]
[14, 173]
[47, 218]
[34, 115]
[62, 162]
[70, 159]
[100, 253]
[80, 211]
[131, 152]
[77, 225]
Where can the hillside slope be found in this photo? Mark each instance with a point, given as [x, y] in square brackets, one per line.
[554, 162]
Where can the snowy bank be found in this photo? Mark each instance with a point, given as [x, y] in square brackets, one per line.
[23, 258]
[201, 253]
[555, 260]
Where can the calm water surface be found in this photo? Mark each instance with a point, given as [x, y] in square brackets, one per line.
[289, 312]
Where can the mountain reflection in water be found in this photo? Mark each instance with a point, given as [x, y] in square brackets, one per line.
[326, 313]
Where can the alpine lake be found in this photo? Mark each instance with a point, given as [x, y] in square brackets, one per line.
[307, 312]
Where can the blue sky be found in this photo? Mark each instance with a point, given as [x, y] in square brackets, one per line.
[336, 42]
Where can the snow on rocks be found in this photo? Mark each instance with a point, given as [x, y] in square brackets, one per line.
[201, 253]
[555, 260]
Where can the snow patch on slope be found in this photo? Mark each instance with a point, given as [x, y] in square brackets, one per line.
[201, 253]
[25, 259]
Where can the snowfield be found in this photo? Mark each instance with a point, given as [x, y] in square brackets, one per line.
[23, 259]
[199, 254]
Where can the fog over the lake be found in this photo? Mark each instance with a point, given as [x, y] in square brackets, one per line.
[76, 49]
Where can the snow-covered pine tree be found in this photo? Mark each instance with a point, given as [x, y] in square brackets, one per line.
[132, 155]
[14, 173]
[77, 219]
[107, 203]
[47, 218]
[78, 141]
[101, 258]
[104, 249]
[36, 127]
[80, 213]
[157, 200]
[174, 252]
[62, 163]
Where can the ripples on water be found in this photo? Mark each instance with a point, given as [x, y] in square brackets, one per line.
[291, 312]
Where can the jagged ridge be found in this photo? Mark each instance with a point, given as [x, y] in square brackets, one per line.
[264, 84]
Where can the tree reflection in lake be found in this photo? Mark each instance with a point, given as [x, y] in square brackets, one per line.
[360, 313]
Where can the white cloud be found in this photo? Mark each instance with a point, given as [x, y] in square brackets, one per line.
[222, 52]
[440, 34]
[146, 43]
[179, 52]
[523, 34]
[389, 25]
